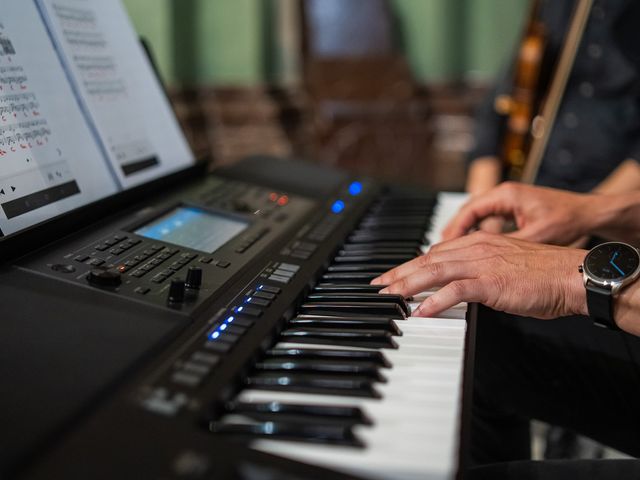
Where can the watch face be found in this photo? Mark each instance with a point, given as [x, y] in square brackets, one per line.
[612, 261]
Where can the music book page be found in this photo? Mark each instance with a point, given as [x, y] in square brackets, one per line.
[49, 160]
[118, 88]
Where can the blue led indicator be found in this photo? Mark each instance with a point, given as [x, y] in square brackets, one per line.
[338, 206]
[248, 299]
[355, 188]
[230, 319]
[223, 327]
[214, 335]
[260, 287]
[239, 309]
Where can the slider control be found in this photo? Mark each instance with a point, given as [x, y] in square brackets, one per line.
[194, 278]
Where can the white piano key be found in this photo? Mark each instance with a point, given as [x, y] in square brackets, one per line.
[453, 312]
[448, 205]
[416, 422]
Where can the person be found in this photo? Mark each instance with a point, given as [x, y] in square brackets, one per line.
[595, 141]
[575, 374]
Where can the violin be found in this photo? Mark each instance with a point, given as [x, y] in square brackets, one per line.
[533, 104]
[522, 105]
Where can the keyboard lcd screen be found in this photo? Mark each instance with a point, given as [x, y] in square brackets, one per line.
[193, 228]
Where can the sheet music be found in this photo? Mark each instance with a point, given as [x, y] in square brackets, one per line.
[118, 88]
[49, 161]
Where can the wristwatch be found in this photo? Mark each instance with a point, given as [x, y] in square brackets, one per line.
[607, 269]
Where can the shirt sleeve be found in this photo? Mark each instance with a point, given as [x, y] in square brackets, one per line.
[489, 125]
[634, 152]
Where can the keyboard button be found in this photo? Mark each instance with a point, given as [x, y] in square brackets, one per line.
[270, 289]
[265, 295]
[249, 311]
[290, 267]
[206, 358]
[218, 347]
[196, 368]
[243, 322]
[186, 379]
[280, 279]
[260, 302]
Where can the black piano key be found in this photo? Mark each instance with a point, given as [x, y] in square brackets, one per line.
[348, 385]
[366, 249]
[362, 267]
[324, 321]
[373, 227]
[333, 367]
[343, 414]
[379, 221]
[352, 337]
[389, 244]
[382, 237]
[324, 434]
[404, 211]
[391, 234]
[347, 288]
[321, 354]
[376, 259]
[360, 297]
[349, 277]
[380, 308]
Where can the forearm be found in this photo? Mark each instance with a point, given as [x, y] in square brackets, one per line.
[625, 178]
[616, 217]
[484, 174]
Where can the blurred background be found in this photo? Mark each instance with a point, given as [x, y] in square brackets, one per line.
[382, 87]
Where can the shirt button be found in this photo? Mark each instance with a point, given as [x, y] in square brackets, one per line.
[594, 50]
[570, 120]
[565, 157]
[586, 89]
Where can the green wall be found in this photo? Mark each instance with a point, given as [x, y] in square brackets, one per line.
[224, 41]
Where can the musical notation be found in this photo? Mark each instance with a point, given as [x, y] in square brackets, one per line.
[6, 47]
[12, 78]
[95, 67]
[70, 16]
[23, 136]
[16, 106]
[106, 89]
[98, 70]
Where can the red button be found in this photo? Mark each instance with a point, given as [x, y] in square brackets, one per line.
[283, 200]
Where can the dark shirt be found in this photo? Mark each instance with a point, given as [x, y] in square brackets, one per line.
[598, 122]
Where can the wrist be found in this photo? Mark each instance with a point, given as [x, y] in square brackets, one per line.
[597, 213]
[609, 211]
[625, 309]
[575, 293]
[484, 174]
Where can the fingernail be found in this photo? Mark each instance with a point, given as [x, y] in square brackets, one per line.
[384, 290]
[375, 281]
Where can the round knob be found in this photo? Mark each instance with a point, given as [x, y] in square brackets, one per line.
[104, 277]
[176, 291]
[194, 278]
